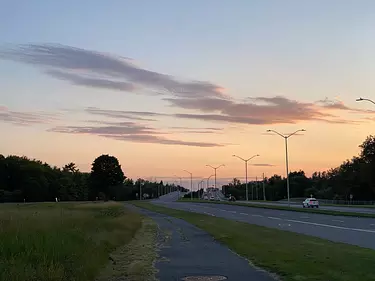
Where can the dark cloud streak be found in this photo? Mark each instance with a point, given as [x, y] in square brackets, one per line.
[101, 70]
[129, 131]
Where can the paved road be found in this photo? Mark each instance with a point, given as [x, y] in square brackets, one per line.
[351, 230]
[185, 250]
[171, 197]
[330, 208]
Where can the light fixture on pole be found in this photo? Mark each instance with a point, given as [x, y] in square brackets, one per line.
[208, 180]
[362, 99]
[246, 160]
[286, 156]
[191, 183]
[215, 168]
[179, 186]
[201, 184]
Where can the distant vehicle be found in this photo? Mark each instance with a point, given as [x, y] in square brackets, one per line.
[310, 203]
[205, 197]
[212, 197]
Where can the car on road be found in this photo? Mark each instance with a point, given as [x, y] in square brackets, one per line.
[212, 198]
[310, 203]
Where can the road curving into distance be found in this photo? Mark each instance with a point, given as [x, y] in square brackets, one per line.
[350, 230]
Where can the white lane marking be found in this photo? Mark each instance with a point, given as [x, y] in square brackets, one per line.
[244, 214]
[223, 210]
[338, 220]
[234, 212]
[209, 214]
[273, 218]
[334, 226]
[372, 224]
[260, 216]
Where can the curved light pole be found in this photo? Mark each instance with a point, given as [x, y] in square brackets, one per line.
[286, 156]
[215, 168]
[362, 99]
[191, 184]
[199, 186]
[179, 186]
[208, 180]
[246, 160]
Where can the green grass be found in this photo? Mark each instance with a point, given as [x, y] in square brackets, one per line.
[284, 208]
[63, 241]
[134, 261]
[292, 256]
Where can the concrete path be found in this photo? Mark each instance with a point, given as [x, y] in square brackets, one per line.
[187, 252]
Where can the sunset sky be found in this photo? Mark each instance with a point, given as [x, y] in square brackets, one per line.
[171, 85]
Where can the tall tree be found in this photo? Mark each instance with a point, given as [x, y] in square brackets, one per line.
[106, 172]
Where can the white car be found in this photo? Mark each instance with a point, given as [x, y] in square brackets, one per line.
[310, 203]
[212, 198]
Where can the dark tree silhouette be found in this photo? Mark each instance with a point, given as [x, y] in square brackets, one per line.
[106, 173]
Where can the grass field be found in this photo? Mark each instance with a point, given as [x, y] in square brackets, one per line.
[284, 208]
[61, 241]
[292, 256]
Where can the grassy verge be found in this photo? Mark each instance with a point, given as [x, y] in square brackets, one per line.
[290, 255]
[134, 261]
[61, 242]
[284, 208]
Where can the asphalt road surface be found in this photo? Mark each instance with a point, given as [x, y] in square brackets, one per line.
[350, 230]
[187, 251]
[329, 208]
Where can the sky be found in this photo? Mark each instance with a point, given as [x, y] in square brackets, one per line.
[167, 86]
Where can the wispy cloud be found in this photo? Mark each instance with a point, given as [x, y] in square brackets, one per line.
[118, 114]
[205, 99]
[129, 131]
[258, 111]
[101, 70]
[262, 165]
[25, 118]
[261, 110]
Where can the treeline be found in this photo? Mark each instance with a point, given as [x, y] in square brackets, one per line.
[353, 180]
[29, 180]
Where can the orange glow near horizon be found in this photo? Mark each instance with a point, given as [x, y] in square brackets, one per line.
[321, 147]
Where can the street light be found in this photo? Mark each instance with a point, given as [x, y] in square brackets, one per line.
[191, 183]
[179, 186]
[208, 180]
[199, 186]
[246, 160]
[215, 168]
[286, 156]
[362, 99]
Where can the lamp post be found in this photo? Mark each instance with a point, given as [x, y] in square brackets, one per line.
[179, 186]
[201, 183]
[208, 180]
[286, 137]
[246, 160]
[215, 168]
[362, 99]
[191, 183]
